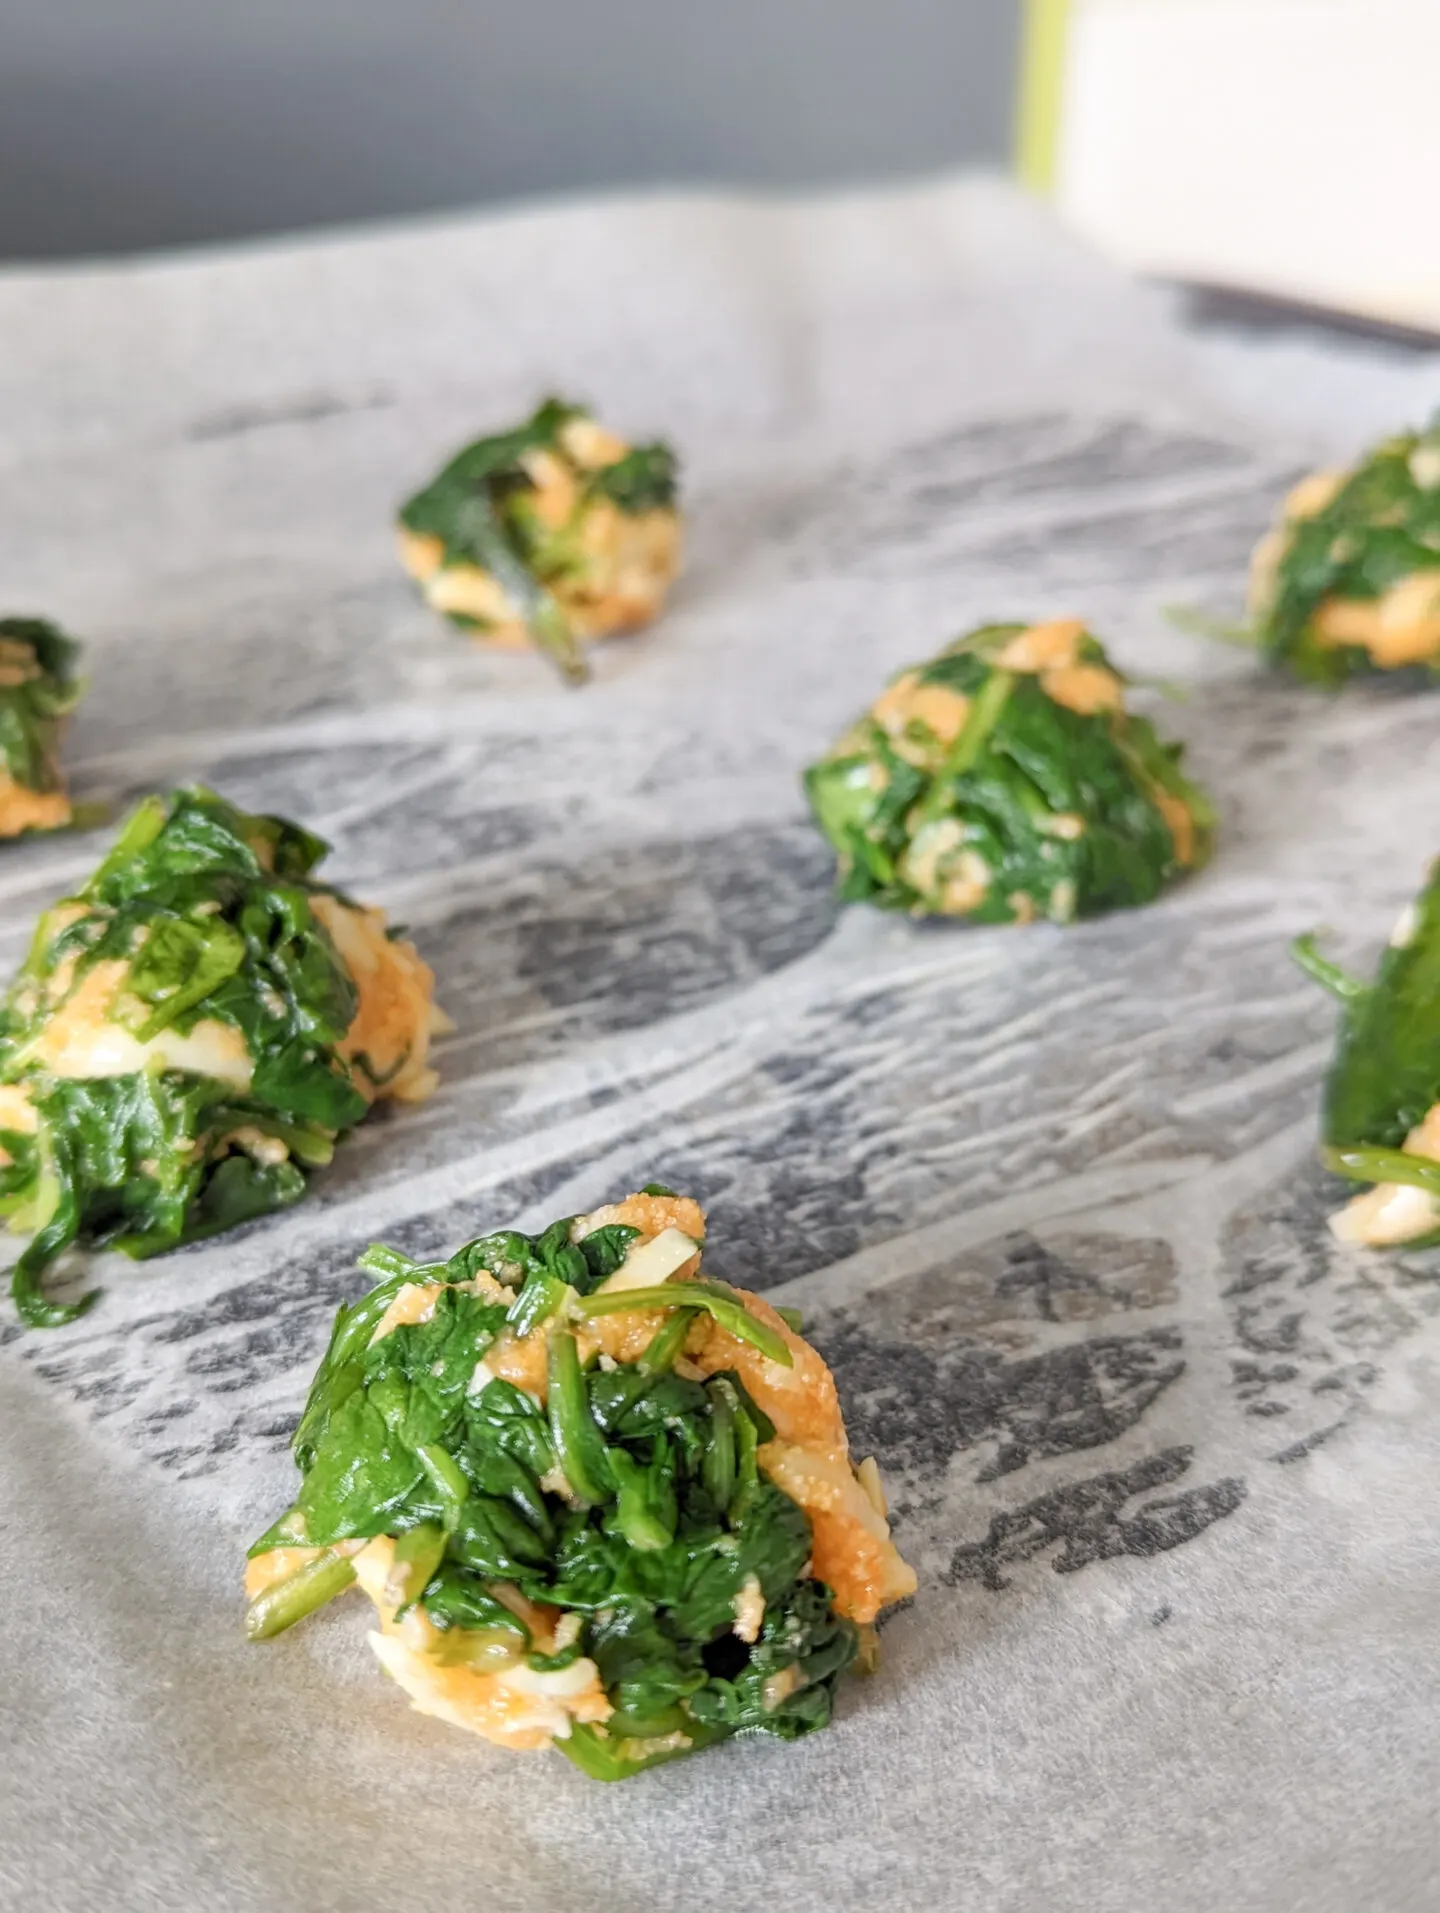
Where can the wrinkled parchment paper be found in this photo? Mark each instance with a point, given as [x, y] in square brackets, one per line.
[1164, 1455]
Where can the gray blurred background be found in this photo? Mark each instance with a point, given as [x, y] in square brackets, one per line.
[142, 123]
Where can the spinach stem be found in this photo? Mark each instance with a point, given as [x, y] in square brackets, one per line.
[446, 1478]
[579, 1446]
[299, 1594]
[747, 1470]
[418, 1553]
[1344, 987]
[1384, 1165]
[1195, 624]
[717, 1468]
[659, 1357]
[728, 1310]
[551, 631]
[980, 721]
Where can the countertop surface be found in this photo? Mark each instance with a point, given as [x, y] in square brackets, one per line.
[1163, 1453]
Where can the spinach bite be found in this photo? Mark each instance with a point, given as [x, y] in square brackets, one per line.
[38, 690]
[597, 1501]
[188, 1036]
[1381, 1113]
[1005, 781]
[552, 533]
[1349, 578]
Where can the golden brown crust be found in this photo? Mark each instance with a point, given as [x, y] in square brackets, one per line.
[24, 809]
[391, 1030]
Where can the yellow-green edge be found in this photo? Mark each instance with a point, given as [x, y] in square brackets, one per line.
[1044, 34]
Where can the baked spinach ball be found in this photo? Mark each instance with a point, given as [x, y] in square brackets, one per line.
[1381, 1120]
[1349, 579]
[547, 535]
[38, 690]
[189, 1035]
[1005, 780]
[597, 1501]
